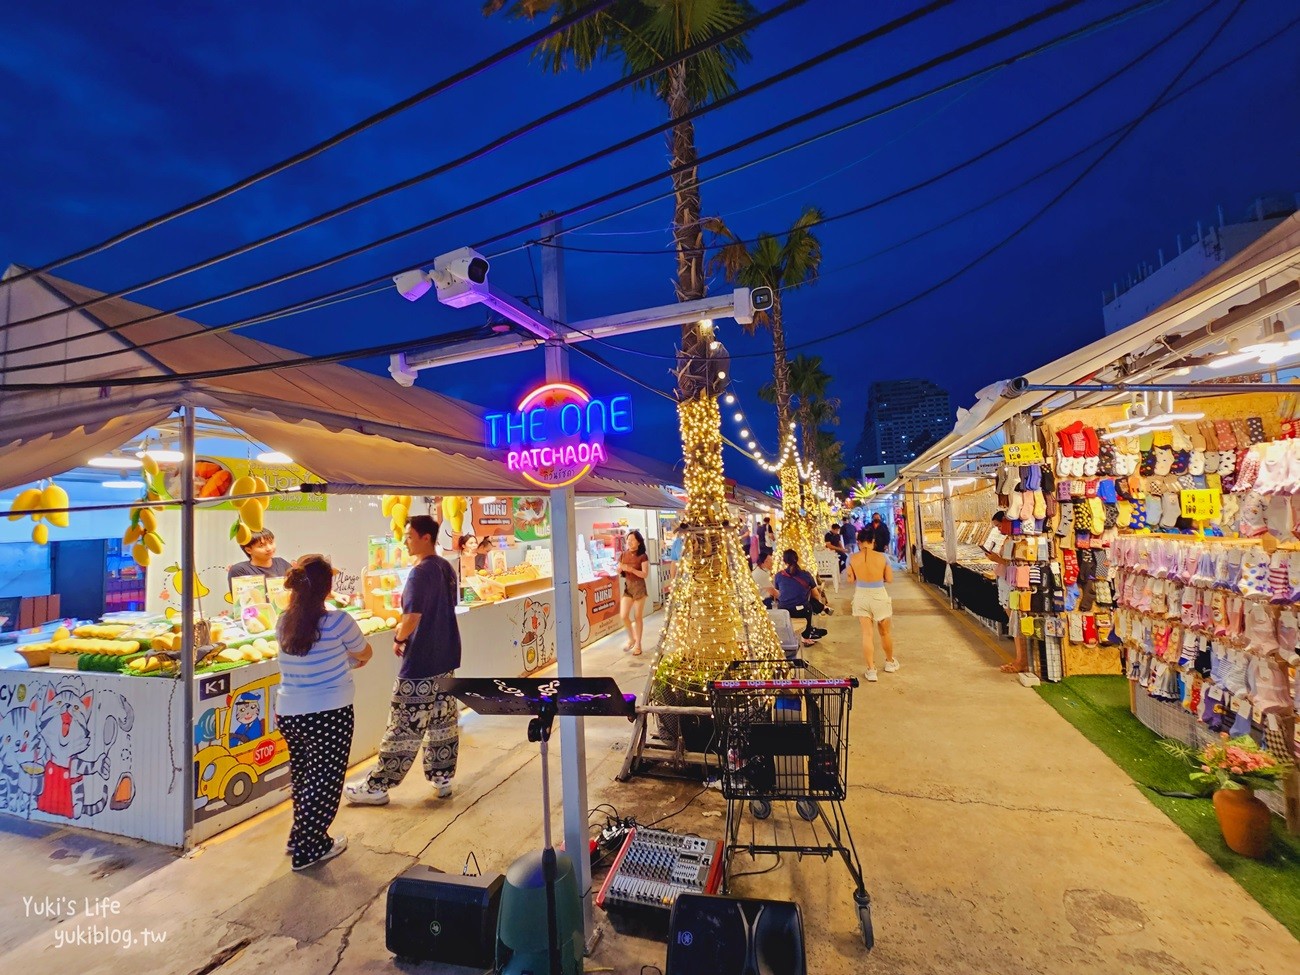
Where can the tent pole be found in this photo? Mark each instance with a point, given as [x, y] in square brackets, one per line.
[949, 530]
[568, 650]
[187, 620]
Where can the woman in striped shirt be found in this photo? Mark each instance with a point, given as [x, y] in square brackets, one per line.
[318, 650]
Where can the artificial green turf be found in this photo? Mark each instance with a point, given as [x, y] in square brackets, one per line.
[1098, 707]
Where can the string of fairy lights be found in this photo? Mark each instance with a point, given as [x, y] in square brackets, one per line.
[808, 474]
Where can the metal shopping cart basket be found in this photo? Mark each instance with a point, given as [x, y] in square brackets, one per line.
[781, 733]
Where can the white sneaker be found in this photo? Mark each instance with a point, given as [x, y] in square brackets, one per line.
[359, 794]
[891, 666]
[340, 844]
[871, 675]
[444, 790]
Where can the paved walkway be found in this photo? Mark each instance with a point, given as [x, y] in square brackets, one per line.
[994, 839]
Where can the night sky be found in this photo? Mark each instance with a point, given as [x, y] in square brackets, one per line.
[112, 114]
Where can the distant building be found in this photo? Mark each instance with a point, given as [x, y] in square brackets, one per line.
[1152, 285]
[904, 417]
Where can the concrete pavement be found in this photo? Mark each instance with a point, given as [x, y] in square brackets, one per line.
[994, 839]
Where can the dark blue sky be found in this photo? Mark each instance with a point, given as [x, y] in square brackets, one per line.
[112, 114]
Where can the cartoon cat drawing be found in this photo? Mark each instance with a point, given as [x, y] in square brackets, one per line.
[111, 721]
[20, 759]
[533, 640]
[65, 736]
[584, 622]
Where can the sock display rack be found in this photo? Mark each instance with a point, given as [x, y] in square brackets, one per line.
[1172, 556]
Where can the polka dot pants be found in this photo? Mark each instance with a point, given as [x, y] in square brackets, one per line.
[318, 762]
[420, 714]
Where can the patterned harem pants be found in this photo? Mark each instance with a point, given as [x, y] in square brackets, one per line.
[420, 714]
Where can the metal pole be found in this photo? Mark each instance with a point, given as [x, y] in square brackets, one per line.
[187, 620]
[949, 530]
[568, 650]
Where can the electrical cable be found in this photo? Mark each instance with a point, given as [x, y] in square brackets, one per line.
[1169, 101]
[555, 27]
[363, 353]
[439, 170]
[678, 812]
[970, 161]
[532, 225]
[1088, 29]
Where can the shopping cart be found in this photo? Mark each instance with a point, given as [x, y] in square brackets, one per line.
[781, 730]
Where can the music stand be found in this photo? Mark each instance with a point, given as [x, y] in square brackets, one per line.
[541, 699]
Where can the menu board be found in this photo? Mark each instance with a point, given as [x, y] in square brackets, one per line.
[532, 518]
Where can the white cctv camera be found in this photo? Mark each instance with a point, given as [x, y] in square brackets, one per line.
[461, 277]
[412, 284]
[749, 301]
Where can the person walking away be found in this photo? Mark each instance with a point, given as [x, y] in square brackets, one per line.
[763, 579]
[869, 570]
[880, 534]
[319, 649]
[428, 641]
[634, 566]
[798, 595]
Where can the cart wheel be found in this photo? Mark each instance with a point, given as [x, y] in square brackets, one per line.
[807, 809]
[761, 808]
[863, 902]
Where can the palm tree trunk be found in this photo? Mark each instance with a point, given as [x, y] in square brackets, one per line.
[780, 370]
[688, 235]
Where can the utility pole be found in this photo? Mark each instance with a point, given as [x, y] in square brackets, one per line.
[568, 655]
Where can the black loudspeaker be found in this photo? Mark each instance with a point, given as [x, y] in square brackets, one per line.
[735, 936]
[442, 917]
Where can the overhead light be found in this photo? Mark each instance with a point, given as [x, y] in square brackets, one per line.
[114, 463]
[162, 456]
[713, 346]
[744, 433]
[751, 445]
[729, 398]
[738, 417]
[274, 457]
[722, 374]
[121, 485]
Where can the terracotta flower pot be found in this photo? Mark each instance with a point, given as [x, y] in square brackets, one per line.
[1245, 821]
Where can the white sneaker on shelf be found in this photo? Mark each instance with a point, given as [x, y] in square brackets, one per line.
[359, 794]
[871, 675]
[891, 666]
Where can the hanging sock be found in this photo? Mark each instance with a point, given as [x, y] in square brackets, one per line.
[1236, 618]
[1279, 577]
[1261, 631]
[1235, 677]
[1219, 612]
[1272, 686]
[1254, 574]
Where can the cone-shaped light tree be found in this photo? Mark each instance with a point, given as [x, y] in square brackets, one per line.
[715, 614]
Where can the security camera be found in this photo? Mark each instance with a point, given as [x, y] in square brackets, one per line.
[412, 284]
[747, 302]
[460, 276]
[400, 371]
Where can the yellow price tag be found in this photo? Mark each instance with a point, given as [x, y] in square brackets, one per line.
[1022, 453]
[1201, 505]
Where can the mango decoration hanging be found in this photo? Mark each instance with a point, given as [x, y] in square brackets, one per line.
[453, 512]
[252, 511]
[34, 499]
[396, 508]
[142, 532]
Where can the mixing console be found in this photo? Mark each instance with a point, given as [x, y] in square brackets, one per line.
[653, 868]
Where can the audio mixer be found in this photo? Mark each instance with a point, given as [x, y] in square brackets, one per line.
[652, 869]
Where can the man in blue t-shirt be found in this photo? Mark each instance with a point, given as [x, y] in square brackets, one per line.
[428, 641]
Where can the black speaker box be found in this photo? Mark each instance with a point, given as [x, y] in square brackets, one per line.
[443, 917]
[711, 935]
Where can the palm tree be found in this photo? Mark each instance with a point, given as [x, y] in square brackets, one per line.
[781, 265]
[714, 613]
[809, 383]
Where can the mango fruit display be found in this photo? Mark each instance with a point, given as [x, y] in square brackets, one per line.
[251, 517]
[453, 512]
[35, 499]
[396, 508]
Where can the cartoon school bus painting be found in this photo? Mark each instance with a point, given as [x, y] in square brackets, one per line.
[238, 744]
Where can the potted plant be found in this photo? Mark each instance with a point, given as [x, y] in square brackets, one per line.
[1233, 768]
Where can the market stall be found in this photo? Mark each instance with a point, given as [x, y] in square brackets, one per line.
[115, 691]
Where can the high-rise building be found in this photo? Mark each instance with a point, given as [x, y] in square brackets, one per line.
[904, 417]
[1151, 285]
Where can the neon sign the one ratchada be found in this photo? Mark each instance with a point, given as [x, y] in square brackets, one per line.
[556, 436]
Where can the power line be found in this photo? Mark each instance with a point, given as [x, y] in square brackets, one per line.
[774, 130]
[402, 346]
[944, 224]
[970, 161]
[555, 27]
[439, 170]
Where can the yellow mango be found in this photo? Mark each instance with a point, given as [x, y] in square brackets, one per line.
[150, 466]
[261, 487]
[250, 513]
[242, 535]
[55, 497]
[153, 542]
[140, 554]
[132, 535]
[26, 501]
[41, 534]
[148, 520]
[386, 504]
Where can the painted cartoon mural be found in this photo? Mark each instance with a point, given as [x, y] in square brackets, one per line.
[536, 642]
[240, 754]
[65, 749]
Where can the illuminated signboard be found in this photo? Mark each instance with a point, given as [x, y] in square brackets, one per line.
[557, 434]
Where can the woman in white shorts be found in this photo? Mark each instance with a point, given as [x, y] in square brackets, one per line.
[869, 570]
